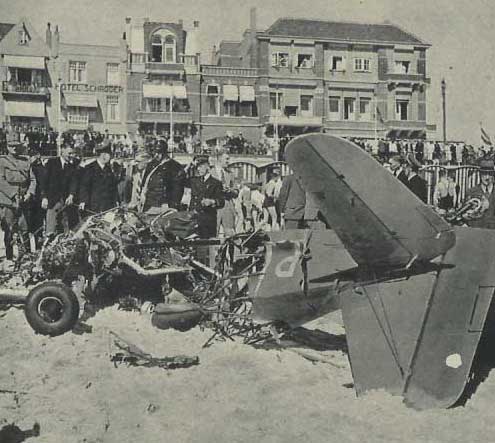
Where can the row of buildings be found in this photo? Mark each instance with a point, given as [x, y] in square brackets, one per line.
[299, 75]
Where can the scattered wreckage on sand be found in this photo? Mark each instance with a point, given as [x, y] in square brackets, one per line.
[415, 291]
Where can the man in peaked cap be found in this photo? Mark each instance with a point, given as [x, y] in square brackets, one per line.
[163, 181]
[415, 183]
[207, 196]
[17, 186]
[484, 192]
[98, 188]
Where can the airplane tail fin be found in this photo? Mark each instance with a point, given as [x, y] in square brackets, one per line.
[418, 336]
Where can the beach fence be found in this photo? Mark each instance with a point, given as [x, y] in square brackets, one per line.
[465, 177]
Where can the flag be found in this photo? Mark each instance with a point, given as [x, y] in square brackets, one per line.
[485, 138]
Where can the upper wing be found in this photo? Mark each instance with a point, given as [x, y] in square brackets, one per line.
[378, 219]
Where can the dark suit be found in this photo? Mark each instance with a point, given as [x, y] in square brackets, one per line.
[58, 183]
[164, 184]
[402, 176]
[292, 201]
[98, 189]
[418, 185]
[207, 215]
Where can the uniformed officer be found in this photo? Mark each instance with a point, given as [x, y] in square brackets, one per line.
[163, 181]
[207, 196]
[17, 186]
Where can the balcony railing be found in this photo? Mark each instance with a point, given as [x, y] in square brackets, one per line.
[228, 71]
[76, 119]
[164, 67]
[164, 117]
[401, 77]
[25, 88]
[295, 120]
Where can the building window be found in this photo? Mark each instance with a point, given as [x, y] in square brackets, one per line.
[169, 49]
[364, 109]
[401, 109]
[337, 63]
[113, 114]
[212, 100]
[77, 72]
[23, 37]
[275, 103]
[156, 48]
[348, 108]
[334, 108]
[280, 59]
[230, 108]
[402, 67]
[304, 60]
[307, 105]
[362, 64]
[248, 109]
[155, 104]
[113, 74]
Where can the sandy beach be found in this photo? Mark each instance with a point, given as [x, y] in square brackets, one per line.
[236, 394]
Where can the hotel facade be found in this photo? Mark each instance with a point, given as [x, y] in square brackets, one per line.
[299, 75]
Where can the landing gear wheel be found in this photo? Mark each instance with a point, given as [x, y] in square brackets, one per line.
[52, 309]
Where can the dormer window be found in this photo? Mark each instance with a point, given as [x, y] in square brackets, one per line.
[163, 47]
[169, 49]
[23, 37]
[156, 48]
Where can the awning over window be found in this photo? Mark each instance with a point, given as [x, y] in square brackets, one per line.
[246, 94]
[81, 100]
[291, 97]
[25, 109]
[22, 61]
[157, 91]
[180, 92]
[230, 93]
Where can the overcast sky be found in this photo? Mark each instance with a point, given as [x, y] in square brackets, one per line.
[462, 34]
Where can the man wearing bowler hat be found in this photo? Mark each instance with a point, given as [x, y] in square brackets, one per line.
[98, 188]
[17, 186]
[484, 192]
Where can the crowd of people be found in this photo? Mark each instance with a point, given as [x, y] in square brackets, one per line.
[44, 197]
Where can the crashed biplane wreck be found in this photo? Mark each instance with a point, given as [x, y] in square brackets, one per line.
[414, 290]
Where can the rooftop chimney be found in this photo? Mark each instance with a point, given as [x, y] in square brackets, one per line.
[252, 19]
[213, 60]
[56, 42]
[181, 22]
[127, 29]
[48, 35]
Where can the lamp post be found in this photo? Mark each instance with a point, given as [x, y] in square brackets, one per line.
[171, 129]
[444, 114]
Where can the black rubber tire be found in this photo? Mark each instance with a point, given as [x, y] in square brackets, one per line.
[59, 300]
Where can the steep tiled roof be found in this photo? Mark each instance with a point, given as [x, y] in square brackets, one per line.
[294, 27]
[35, 47]
[5, 28]
[229, 48]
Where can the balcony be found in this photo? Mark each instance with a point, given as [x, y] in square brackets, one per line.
[227, 71]
[164, 117]
[295, 120]
[164, 68]
[77, 121]
[394, 77]
[25, 89]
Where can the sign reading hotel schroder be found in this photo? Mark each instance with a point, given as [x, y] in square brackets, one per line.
[84, 87]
